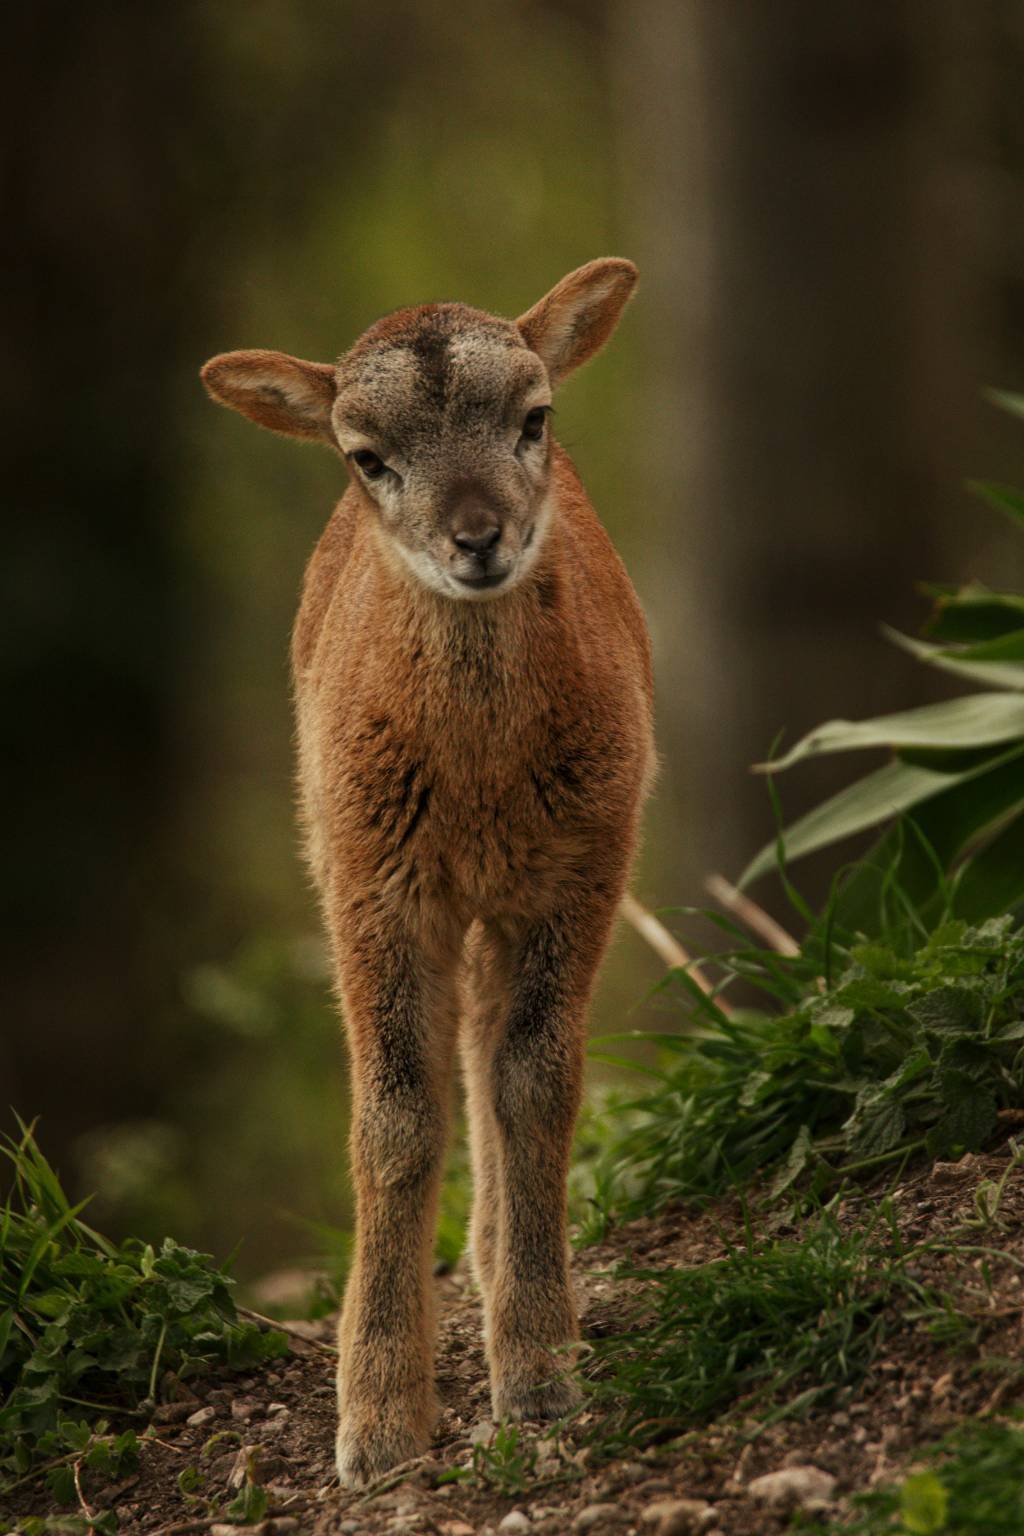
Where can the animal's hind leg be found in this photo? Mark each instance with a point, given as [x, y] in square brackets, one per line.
[536, 1080]
[484, 1005]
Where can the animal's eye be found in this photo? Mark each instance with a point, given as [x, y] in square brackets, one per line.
[533, 426]
[371, 466]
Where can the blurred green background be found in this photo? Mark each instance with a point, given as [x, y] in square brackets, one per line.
[825, 204]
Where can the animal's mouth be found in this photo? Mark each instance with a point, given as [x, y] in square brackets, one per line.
[482, 583]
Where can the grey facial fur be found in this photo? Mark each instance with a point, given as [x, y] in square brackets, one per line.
[440, 395]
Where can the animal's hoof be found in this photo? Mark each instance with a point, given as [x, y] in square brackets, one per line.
[544, 1400]
[362, 1455]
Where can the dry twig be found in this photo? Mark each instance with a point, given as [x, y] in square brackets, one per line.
[295, 1333]
[668, 948]
[754, 917]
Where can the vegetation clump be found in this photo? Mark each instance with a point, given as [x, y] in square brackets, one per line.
[88, 1331]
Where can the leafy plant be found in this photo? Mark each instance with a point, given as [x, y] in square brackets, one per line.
[85, 1325]
[897, 1054]
[505, 1463]
[784, 1324]
[957, 768]
[973, 1485]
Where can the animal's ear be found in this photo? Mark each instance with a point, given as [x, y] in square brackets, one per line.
[275, 390]
[574, 320]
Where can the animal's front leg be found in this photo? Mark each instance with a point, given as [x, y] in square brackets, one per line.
[537, 1075]
[400, 1017]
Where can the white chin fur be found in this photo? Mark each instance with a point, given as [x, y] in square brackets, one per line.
[431, 575]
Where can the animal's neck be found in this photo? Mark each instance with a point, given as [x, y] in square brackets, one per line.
[475, 642]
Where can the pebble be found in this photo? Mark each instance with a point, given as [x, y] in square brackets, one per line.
[515, 1523]
[348, 1527]
[276, 1408]
[482, 1432]
[808, 1487]
[200, 1417]
[678, 1517]
[173, 1413]
[455, 1528]
[593, 1516]
[245, 1408]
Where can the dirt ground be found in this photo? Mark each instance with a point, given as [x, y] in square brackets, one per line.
[277, 1427]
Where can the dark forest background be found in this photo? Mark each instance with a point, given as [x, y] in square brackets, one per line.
[825, 205]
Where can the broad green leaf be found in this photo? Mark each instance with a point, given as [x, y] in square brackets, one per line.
[993, 881]
[923, 1505]
[948, 823]
[949, 1010]
[973, 612]
[976, 720]
[990, 662]
[888, 792]
[971, 1116]
[878, 1130]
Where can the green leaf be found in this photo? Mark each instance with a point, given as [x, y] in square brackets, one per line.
[994, 879]
[1003, 497]
[976, 720]
[950, 1011]
[1007, 400]
[971, 1116]
[249, 1507]
[924, 1505]
[879, 1130]
[973, 612]
[997, 673]
[800, 1154]
[61, 1483]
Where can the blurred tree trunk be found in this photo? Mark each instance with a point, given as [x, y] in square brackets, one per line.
[819, 302]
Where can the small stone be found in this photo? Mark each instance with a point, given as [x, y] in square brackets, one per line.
[345, 1527]
[807, 1487]
[173, 1413]
[276, 1408]
[482, 1432]
[515, 1523]
[593, 1516]
[455, 1528]
[223, 1530]
[678, 1517]
[200, 1417]
[280, 1524]
[244, 1408]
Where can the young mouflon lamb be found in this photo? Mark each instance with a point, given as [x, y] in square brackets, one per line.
[473, 691]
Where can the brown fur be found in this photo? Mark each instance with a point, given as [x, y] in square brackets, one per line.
[471, 776]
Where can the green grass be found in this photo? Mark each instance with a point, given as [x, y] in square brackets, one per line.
[772, 1328]
[972, 1484]
[88, 1331]
[875, 1051]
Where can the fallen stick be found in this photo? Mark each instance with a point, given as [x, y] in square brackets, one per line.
[668, 948]
[756, 918]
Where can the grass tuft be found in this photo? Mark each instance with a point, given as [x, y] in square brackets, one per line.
[89, 1330]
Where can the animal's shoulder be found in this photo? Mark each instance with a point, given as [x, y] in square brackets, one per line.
[323, 573]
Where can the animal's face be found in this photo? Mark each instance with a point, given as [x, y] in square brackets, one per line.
[441, 413]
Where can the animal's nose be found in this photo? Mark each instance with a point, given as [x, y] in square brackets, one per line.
[479, 544]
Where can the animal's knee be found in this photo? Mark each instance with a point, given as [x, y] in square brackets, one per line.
[536, 1092]
[398, 1140]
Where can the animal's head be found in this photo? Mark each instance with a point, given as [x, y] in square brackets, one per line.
[441, 413]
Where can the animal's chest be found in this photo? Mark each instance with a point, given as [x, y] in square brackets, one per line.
[477, 802]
